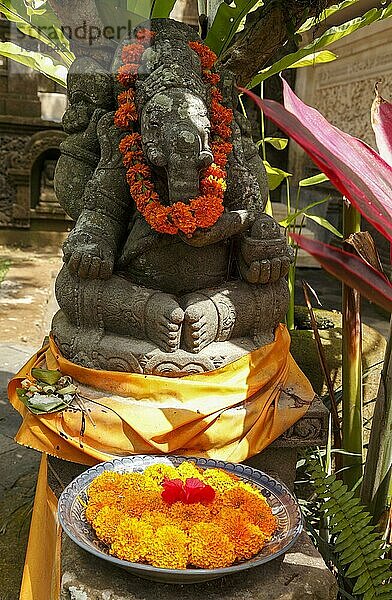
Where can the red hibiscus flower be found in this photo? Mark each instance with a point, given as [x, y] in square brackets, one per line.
[190, 492]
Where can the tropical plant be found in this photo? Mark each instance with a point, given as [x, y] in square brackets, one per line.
[241, 33]
[350, 542]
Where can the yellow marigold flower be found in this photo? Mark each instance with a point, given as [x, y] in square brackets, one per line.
[106, 523]
[249, 488]
[135, 502]
[107, 481]
[168, 548]
[187, 470]
[210, 547]
[219, 480]
[186, 515]
[99, 500]
[155, 519]
[159, 471]
[132, 539]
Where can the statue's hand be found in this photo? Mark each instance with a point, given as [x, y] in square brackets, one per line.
[264, 271]
[88, 256]
[229, 224]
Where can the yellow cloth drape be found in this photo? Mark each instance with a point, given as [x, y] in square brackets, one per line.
[231, 413]
[41, 574]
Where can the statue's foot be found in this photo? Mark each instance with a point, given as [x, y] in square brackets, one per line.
[164, 318]
[200, 322]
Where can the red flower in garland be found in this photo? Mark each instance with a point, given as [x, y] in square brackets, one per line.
[204, 210]
[190, 492]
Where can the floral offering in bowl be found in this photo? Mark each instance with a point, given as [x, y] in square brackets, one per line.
[177, 519]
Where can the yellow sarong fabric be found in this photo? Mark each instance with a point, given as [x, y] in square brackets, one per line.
[231, 413]
[41, 573]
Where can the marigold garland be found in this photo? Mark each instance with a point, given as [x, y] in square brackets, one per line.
[204, 210]
[130, 516]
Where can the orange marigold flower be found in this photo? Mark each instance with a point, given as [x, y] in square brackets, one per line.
[145, 36]
[132, 53]
[207, 211]
[214, 171]
[248, 539]
[155, 519]
[141, 187]
[168, 548]
[212, 78]
[207, 56]
[183, 218]
[138, 172]
[221, 113]
[133, 158]
[222, 130]
[125, 115]
[144, 199]
[132, 540]
[213, 186]
[106, 522]
[126, 96]
[203, 537]
[126, 75]
[135, 503]
[130, 142]
[156, 216]
[186, 515]
[216, 94]
[256, 508]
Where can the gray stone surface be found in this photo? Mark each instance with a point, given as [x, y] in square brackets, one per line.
[136, 300]
[301, 576]
[18, 472]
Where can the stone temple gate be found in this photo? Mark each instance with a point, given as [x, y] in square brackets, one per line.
[30, 134]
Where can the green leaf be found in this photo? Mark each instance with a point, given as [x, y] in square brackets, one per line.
[226, 23]
[278, 143]
[315, 180]
[326, 39]
[35, 60]
[293, 216]
[69, 389]
[324, 223]
[42, 25]
[316, 58]
[275, 176]
[48, 376]
[161, 9]
[120, 19]
[314, 21]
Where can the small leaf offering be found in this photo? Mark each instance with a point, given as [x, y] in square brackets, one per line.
[69, 389]
[46, 375]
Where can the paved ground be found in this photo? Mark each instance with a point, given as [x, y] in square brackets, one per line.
[24, 314]
[26, 307]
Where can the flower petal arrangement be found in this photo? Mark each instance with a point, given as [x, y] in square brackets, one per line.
[204, 210]
[179, 517]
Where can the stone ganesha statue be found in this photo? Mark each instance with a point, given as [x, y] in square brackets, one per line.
[136, 299]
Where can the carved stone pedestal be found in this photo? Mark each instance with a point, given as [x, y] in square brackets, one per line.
[301, 574]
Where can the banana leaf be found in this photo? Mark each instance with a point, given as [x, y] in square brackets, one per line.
[355, 169]
[42, 25]
[226, 23]
[161, 9]
[317, 58]
[350, 269]
[326, 13]
[35, 60]
[326, 39]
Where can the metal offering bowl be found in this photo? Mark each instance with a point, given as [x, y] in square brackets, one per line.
[72, 502]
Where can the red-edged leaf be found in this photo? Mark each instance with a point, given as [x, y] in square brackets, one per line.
[381, 114]
[354, 168]
[350, 269]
